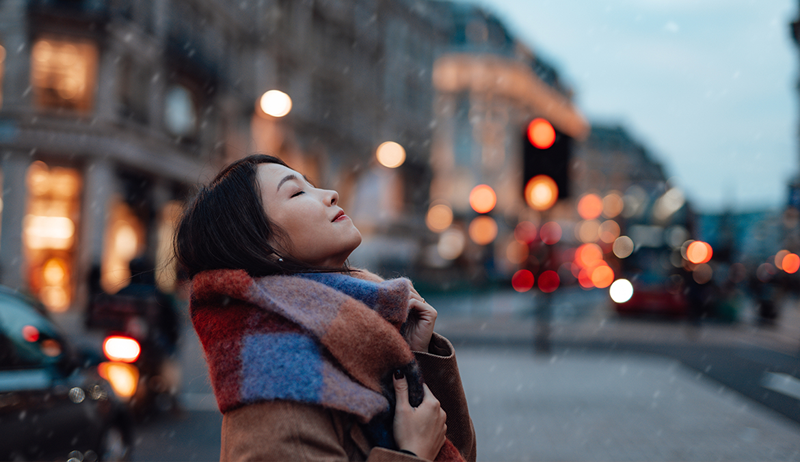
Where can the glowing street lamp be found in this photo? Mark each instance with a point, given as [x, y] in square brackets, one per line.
[275, 103]
[390, 154]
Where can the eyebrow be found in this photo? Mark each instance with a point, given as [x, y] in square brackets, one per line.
[290, 177]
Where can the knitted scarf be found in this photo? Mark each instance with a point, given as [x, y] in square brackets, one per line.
[320, 338]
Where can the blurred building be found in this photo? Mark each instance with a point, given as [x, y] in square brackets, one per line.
[611, 164]
[489, 85]
[112, 111]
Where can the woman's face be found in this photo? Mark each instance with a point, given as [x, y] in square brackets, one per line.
[320, 233]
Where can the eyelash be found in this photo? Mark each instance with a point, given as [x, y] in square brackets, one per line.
[297, 193]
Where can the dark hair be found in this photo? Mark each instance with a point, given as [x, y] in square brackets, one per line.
[225, 227]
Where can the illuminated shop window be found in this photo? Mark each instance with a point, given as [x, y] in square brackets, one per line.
[50, 229]
[124, 240]
[63, 73]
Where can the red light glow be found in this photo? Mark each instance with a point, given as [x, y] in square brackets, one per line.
[550, 233]
[549, 281]
[602, 276]
[30, 334]
[541, 134]
[522, 281]
[525, 232]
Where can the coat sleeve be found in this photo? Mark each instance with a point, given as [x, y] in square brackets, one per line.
[283, 430]
[440, 370]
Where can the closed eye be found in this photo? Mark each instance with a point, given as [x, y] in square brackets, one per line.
[297, 193]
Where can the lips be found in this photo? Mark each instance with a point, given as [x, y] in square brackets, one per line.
[338, 215]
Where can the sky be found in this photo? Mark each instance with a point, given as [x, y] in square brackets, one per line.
[709, 87]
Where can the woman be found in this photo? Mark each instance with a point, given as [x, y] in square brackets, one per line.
[309, 359]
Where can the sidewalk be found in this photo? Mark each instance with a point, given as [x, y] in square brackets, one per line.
[612, 407]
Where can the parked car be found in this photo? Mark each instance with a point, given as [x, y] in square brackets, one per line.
[54, 405]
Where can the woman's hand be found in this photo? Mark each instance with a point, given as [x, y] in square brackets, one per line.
[421, 319]
[421, 430]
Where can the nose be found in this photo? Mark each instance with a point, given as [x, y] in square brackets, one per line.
[333, 197]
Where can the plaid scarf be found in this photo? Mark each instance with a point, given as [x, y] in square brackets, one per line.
[320, 338]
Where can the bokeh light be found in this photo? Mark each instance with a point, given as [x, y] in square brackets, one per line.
[483, 230]
[482, 198]
[541, 192]
[621, 291]
[275, 103]
[390, 154]
[765, 272]
[602, 276]
[549, 281]
[525, 232]
[702, 274]
[451, 244]
[590, 206]
[779, 258]
[609, 231]
[791, 263]
[623, 247]
[698, 252]
[550, 233]
[516, 252]
[439, 217]
[612, 205]
[541, 133]
[588, 230]
[588, 254]
[522, 281]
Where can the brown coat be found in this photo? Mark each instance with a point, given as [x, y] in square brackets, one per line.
[285, 430]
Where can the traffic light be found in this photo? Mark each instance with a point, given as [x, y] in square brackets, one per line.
[546, 151]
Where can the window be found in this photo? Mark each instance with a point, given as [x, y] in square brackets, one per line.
[180, 112]
[63, 73]
[50, 230]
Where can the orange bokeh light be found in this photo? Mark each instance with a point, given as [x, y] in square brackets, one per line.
[483, 230]
[699, 252]
[522, 281]
[541, 134]
[588, 255]
[590, 206]
[482, 198]
[550, 233]
[602, 276]
[541, 192]
[549, 281]
[791, 263]
[779, 258]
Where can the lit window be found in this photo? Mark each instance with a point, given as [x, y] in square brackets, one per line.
[63, 73]
[180, 111]
[50, 230]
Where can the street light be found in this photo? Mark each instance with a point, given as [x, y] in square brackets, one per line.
[275, 103]
[390, 154]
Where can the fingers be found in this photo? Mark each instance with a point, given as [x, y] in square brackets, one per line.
[401, 389]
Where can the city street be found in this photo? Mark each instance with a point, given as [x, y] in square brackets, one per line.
[611, 389]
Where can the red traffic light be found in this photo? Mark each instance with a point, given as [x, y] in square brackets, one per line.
[541, 134]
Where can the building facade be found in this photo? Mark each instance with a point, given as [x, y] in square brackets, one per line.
[113, 111]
